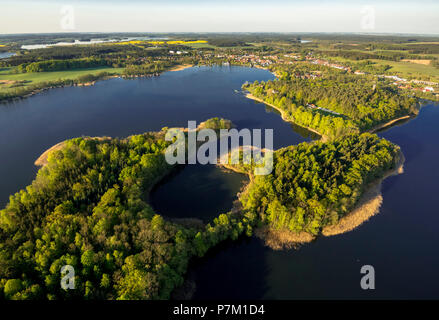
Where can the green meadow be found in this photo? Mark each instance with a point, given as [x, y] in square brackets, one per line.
[36, 77]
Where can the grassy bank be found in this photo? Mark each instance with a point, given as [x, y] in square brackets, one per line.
[36, 77]
[21, 85]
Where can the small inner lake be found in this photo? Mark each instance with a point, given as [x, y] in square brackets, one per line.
[400, 242]
[197, 191]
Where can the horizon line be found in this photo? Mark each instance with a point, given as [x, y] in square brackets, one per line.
[225, 32]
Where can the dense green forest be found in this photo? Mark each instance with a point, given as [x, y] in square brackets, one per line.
[112, 53]
[147, 68]
[353, 103]
[314, 185]
[382, 55]
[372, 54]
[66, 64]
[87, 208]
[227, 42]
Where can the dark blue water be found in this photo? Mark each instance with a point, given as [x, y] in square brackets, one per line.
[4, 55]
[401, 242]
[119, 108]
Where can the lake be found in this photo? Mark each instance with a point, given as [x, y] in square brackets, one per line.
[119, 108]
[4, 55]
[400, 242]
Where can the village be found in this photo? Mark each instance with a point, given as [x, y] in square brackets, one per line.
[266, 61]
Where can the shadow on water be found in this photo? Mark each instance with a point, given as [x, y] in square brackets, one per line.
[400, 242]
[395, 124]
[235, 269]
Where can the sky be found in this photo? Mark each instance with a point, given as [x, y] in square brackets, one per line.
[373, 16]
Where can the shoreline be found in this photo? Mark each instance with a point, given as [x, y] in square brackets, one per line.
[42, 159]
[233, 168]
[58, 86]
[323, 137]
[367, 206]
[180, 67]
[92, 83]
[389, 123]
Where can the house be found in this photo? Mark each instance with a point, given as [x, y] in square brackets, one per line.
[424, 82]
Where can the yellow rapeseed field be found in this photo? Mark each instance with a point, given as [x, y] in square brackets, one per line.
[137, 42]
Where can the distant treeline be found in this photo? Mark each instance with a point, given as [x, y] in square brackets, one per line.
[86, 208]
[117, 54]
[147, 68]
[58, 65]
[383, 51]
[227, 42]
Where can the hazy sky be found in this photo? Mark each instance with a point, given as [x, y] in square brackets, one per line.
[385, 16]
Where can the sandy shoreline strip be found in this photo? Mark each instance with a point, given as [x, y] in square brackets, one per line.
[284, 117]
[367, 206]
[42, 160]
[283, 239]
[388, 124]
[181, 67]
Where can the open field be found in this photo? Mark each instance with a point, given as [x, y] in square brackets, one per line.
[420, 42]
[408, 69]
[424, 62]
[200, 45]
[35, 77]
[415, 68]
